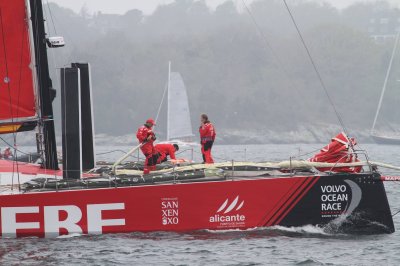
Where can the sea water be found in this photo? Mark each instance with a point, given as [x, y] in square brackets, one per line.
[306, 245]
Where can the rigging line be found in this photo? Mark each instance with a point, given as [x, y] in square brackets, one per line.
[37, 69]
[16, 163]
[265, 39]
[52, 156]
[108, 152]
[216, 157]
[64, 115]
[18, 100]
[306, 153]
[20, 69]
[38, 59]
[9, 90]
[278, 63]
[64, 30]
[315, 68]
[6, 79]
[51, 17]
[162, 101]
[53, 55]
[16, 159]
[31, 42]
[12, 147]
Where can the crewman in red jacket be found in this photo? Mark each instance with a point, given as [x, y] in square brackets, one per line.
[207, 137]
[166, 150]
[146, 137]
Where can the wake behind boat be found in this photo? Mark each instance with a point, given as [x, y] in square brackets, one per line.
[334, 189]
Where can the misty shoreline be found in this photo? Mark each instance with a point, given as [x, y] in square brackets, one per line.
[252, 93]
[306, 134]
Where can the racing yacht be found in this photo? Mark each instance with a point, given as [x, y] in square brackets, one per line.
[335, 189]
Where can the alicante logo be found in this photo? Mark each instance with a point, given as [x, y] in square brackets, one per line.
[228, 214]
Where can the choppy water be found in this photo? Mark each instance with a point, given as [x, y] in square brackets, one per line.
[306, 245]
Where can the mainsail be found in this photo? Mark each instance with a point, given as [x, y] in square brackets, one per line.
[179, 122]
[17, 97]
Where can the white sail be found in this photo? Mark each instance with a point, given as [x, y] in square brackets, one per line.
[179, 122]
[385, 82]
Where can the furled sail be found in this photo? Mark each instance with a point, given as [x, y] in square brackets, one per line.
[179, 122]
[17, 98]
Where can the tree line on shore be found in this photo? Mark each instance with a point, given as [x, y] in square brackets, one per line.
[242, 76]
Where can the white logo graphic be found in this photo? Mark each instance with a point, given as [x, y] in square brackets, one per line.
[335, 200]
[232, 206]
[224, 216]
[52, 221]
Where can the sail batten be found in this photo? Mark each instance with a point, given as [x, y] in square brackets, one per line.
[17, 98]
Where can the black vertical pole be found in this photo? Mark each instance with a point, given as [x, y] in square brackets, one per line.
[87, 128]
[71, 123]
[44, 83]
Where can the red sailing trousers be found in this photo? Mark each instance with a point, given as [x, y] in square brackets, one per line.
[206, 151]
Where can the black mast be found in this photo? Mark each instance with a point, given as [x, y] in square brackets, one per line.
[46, 92]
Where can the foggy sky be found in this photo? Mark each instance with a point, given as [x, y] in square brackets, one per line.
[255, 92]
[148, 6]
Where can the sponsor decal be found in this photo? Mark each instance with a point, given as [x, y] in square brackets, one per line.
[169, 211]
[52, 222]
[390, 178]
[340, 199]
[229, 215]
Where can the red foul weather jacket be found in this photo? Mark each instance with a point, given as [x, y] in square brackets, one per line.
[142, 134]
[207, 132]
[166, 149]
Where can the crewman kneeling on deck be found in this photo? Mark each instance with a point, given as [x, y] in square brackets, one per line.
[146, 138]
[207, 137]
[166, 150]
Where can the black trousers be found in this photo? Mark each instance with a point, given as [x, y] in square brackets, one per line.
[152, 159]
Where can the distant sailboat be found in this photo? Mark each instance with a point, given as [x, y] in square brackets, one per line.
[378, 137]
[179, 124]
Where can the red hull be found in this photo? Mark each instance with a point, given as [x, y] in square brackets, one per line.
[238, 204]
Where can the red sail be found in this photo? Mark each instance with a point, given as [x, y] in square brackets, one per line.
[339, 150]
[17, 99]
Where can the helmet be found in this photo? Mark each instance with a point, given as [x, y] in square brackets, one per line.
[150, 121]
